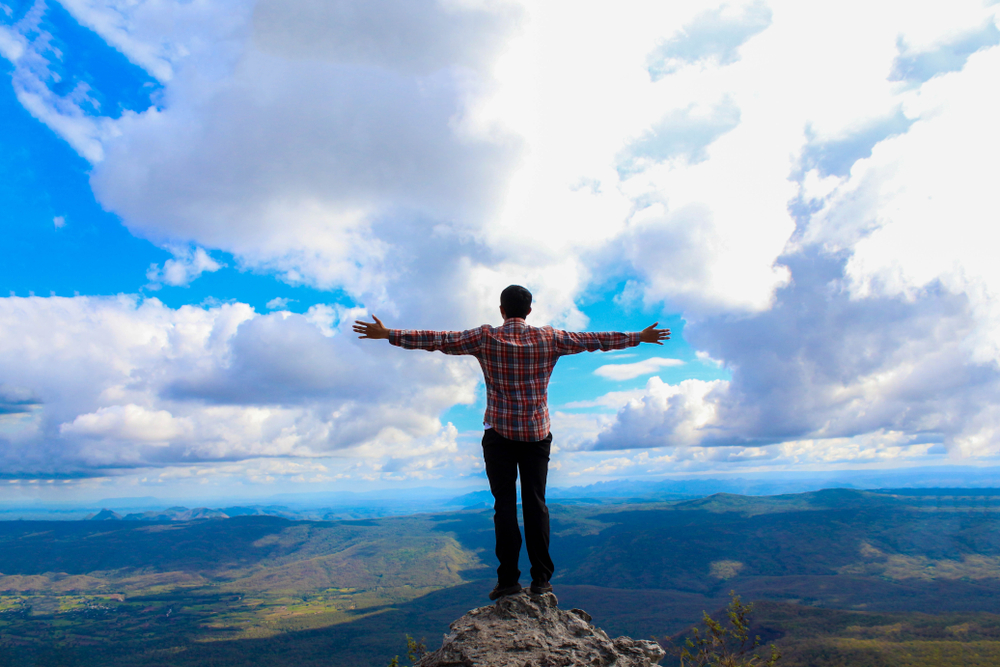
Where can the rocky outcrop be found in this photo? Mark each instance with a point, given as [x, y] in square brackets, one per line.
[531, 631]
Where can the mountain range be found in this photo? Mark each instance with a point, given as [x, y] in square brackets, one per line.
[826, 567]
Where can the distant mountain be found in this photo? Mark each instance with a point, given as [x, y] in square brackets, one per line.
[177, 514]
[186, 514]
[398, 501]
[835, 570]
[916, 479]
[813, 500]
[131, 503]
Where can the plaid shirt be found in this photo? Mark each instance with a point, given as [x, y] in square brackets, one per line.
[517, 362]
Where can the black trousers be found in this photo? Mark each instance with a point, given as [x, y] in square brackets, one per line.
[504, 458]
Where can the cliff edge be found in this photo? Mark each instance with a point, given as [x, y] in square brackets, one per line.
[526, 630]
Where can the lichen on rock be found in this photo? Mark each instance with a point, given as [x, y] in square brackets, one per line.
[526, 630]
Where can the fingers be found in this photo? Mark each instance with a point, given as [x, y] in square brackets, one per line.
[370, 330]
[363, 328]
[661, 334]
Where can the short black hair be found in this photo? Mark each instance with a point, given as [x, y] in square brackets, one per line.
[515, 301]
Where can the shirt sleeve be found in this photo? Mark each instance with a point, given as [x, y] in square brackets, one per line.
[449, 342]
[570, 342]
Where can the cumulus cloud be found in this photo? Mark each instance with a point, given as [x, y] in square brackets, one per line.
[806, 185]
[628, 371]
[911, 222]
[666, 415]
[824, 365]
[882, 345]
[315, 150]
[278, 303]
[121, 382]
[126, 422]
[186, 265]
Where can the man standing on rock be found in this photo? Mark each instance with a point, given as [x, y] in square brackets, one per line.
[517, 361]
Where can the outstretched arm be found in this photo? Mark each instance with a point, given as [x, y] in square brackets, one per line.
[373, 330]
[568, 342]
[653, 335]
[449, 342]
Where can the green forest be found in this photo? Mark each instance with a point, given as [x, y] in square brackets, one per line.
[838, 577]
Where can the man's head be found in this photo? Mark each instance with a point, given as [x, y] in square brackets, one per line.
[515, 301]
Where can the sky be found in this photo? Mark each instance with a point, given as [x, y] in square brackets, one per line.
[199, 197]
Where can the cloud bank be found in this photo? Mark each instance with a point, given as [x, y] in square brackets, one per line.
[809, 185]
[120, 383]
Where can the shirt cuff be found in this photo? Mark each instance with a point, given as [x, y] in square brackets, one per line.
[394, 336]
[634, 338]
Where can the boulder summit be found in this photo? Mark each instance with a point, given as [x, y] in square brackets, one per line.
[531, 631]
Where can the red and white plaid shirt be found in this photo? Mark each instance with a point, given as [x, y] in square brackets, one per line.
[517, 362]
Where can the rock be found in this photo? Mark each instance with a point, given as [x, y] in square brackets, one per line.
[531, 631]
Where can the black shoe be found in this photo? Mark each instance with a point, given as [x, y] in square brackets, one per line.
[500, 591]
[540, 587]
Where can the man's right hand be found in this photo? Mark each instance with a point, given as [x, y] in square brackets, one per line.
[653, 335]
[374, 330]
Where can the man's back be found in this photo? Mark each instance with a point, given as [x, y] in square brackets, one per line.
[517, 362]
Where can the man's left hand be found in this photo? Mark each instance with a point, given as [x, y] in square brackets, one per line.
[653, 335]
[374, 330]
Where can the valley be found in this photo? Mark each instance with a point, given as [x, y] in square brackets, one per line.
[839, 577]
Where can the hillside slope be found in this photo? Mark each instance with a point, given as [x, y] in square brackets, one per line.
[131, 592]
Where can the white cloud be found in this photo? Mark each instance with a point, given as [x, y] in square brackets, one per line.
[823, 365]
[12, 44]
[621, 372]
[823, 222]
[278, 303]
[666, 415]
[127, 422]
[309, 156]
[186, 265]
[71, 115]
[119, 382]
[706, 358]
[922, 221]
[879, 449]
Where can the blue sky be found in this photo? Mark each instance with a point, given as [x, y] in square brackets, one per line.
[198, 199]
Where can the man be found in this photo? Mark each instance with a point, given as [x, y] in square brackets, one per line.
[517, 361]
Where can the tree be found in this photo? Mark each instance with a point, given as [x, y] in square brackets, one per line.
[414, 651]
[721, 646]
